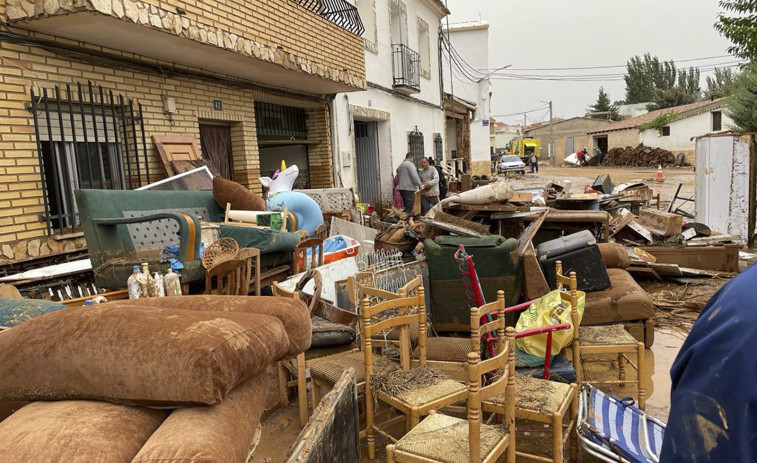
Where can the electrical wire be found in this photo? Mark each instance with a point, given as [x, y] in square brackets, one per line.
[521, 113]
[616, 66]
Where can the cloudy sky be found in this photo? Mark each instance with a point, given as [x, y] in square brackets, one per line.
[584, 33]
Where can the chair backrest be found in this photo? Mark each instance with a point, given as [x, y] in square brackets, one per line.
[411, 287]
[280, 291]
[570, 296]
[395, 313]
[312, 245]
[502, 364]
[496, 322]
[231, 277]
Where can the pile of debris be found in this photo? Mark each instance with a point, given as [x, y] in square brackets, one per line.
[640, 156]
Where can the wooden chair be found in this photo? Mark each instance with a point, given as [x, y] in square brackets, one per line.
[334, 359]
[442, 438]
[538, 399]
[598, 340]
[230, 278]
[321, 232]
[413, 403]
[252, 273]
[315, 246]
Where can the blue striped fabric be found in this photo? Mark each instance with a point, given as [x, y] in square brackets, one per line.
[619, 428]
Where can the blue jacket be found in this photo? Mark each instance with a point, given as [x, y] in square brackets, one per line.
[713, 405]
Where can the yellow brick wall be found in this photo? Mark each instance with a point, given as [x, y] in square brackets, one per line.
[622, 138]
[23, 67]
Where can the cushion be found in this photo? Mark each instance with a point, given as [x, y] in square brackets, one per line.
[9, 407]
[211, 434]
[138, 355]
[16, 311]
[623, 300]
[293, 314]
[9, 292]
[240, 198]
[614, 255]
[77, 432]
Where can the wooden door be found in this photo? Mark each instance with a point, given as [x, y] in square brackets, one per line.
[179, 153]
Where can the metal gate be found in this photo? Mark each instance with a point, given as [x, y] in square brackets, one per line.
[415, 145]
[366, 151]
[568, 146]
[86, 137]
[438, 149]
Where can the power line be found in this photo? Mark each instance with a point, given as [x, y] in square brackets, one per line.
[616, 66]
[520, 113]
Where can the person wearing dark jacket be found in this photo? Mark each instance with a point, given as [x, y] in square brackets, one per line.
[713, 399]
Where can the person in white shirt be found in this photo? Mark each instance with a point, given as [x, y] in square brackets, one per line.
[430, 187]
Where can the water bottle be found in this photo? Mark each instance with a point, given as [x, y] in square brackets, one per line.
[159, 289]
[172, 283]
[133, 284]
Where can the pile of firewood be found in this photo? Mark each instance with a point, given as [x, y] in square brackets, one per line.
[640, 156]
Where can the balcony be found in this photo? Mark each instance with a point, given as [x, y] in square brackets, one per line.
[407, 67]
[311, 46]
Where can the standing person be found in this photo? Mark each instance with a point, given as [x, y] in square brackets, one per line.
[713, 398]
[442, 179]
[585, 156]
[534, 163]
[408, 182]
[600, 154]
[430, 187]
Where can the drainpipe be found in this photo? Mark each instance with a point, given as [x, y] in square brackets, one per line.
[335, 160]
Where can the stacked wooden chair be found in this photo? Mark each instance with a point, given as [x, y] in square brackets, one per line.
[443, 438]
[601, 340]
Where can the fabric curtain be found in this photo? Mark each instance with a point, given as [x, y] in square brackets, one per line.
[215, 141]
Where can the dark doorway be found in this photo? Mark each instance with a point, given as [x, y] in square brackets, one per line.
[366, 153]
[215, 141]
[601, 142]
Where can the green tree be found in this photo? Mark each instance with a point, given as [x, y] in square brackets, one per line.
[649, 80]
[603, 108]
[739, 26]
[742, 103]
[720, 84]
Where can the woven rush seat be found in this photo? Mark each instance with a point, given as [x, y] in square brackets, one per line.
[329, 371]
[538, 395]
[605, 335]
[446, 349]
[393, 334]
[423, 395]
[445, 439]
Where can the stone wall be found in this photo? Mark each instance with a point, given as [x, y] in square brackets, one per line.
[38, 247]
[622, 138]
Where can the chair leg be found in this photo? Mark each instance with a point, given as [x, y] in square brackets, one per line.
[283, 390]
[576, 348]
[411, 420]
[302, 393]
[557, 449]
[641, 374]
[315, 393]
[389, 453]
[621, 369]
[573, 448]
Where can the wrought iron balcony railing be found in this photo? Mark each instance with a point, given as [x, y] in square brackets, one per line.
[338, 12]
[407, 67]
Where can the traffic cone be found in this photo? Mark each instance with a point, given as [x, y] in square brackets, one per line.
[659, 172]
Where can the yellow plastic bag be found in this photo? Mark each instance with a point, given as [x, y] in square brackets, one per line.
[545, 311]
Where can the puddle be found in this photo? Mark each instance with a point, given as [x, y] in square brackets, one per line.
[659, 360]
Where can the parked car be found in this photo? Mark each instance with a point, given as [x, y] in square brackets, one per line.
[510, 163]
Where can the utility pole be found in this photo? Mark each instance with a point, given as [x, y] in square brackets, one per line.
[551, 135]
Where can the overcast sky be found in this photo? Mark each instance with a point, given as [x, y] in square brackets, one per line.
[579, 33]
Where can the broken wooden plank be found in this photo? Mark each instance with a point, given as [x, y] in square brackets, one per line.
[504, 207]
[717, 239]
[458, 230]
[660, 222]
[718, 258]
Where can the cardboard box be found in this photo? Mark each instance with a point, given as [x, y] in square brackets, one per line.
[660, 222]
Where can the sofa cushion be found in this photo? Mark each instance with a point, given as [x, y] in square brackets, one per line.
[240, 198]
[624, 300]
[614, 255]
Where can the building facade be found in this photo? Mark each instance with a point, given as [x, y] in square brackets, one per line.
[87, 84]
[691, 121]
[471, 88]
[570, 135]
[401, 109]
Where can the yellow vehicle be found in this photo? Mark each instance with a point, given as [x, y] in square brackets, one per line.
[525, 147]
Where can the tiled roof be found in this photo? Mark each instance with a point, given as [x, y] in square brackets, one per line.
[684, 111]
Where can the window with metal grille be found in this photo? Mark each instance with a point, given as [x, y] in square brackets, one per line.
[438, 148]
[86, 138]
[415, 145]
[275, 121]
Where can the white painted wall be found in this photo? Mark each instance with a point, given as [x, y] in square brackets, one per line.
[422, 109]
[722, 184]
[682, 131]
[471, 40]
[502, 138]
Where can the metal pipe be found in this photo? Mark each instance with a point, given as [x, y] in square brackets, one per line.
[41, 163]
[86, 137]
[68, 189]
[54, 158]
[98, 152]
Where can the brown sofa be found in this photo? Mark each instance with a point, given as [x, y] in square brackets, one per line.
[623, 302]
